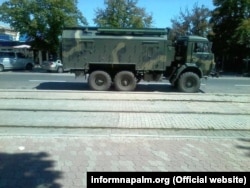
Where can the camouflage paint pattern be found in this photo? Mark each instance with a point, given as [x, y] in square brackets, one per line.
[203, 58]
[204, 61]
[80, 48]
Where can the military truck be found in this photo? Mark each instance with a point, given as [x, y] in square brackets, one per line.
[124, 57]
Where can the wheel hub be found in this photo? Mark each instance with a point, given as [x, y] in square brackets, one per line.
[99, 81]
[190, 83]
[125, 82]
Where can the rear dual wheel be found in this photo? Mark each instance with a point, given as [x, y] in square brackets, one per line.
[99, 80]
[125, 81]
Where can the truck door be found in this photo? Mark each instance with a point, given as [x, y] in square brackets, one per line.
[202, 56]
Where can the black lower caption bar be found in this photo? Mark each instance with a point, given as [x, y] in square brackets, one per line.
[167, 179]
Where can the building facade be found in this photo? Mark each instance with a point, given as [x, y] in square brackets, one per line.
[10, 41]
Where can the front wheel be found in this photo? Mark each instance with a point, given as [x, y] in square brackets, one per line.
[29, 66]
[189, 82]
[125, 81]
[99, 80]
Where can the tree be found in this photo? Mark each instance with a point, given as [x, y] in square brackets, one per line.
[122, 14]
[242, 34]
[41, 20]
[194, 22]
[231, 26]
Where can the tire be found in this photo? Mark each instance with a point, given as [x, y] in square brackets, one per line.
[99, 80]
[1, 68]
[29, 66]
[125, 81]
[189, 82]
[60, 70]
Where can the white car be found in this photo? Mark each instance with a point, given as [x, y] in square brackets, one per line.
[15, 61]
[53, 66]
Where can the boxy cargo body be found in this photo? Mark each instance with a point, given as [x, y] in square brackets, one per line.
[125, 56]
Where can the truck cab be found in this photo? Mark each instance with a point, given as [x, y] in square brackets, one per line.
[193, 60]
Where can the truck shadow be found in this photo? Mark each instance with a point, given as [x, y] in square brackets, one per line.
[28, 170]
[141, 87]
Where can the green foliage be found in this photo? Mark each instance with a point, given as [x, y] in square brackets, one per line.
[231, 26]
[242, 33]
[122, 14]
[194, 22]
[41, 20]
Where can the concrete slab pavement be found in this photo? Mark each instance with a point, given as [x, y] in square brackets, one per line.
[128, 96]
[38, 161]
[63, 160]
[123, 110]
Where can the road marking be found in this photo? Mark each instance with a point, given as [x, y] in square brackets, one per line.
[47, 81]
[238, 85]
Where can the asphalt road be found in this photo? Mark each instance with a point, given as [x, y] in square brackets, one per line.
[41, 80]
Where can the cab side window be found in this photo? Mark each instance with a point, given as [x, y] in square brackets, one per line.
[201, 47]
